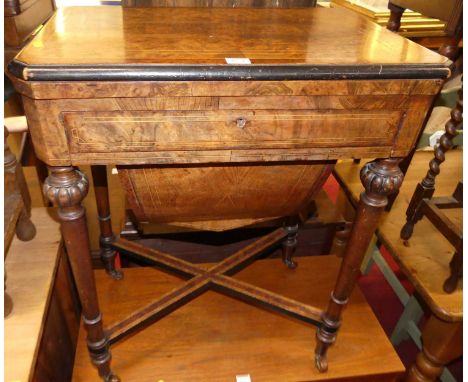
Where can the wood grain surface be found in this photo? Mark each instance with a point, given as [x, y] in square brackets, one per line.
[425, 261]
[129, 36]
[215, 338]
[220, 3]
[230, 195]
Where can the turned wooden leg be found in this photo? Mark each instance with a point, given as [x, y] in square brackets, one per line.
[380, 178]
[456, 271]
[101, 192]
[451, 49]
[425, 189]
[442, 343]
[7, 301]
[25, 229]
[394, 21]
[66, 187]
[290, 243]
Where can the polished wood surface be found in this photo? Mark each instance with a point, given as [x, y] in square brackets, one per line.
[240, 338]
[425, 261]
[220, 3]
[176, 36]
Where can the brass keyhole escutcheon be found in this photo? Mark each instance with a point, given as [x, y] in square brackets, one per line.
[241, 122]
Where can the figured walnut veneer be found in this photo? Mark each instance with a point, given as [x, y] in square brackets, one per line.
[227, 196]
[160, 122]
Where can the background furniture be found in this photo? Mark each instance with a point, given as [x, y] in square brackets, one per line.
[425, 262]
[22, 18]
[422, 203]
[450, 11]
[17, 213]
[42, 330]
[199, 116]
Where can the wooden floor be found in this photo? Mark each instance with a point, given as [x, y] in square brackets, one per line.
[216, 338]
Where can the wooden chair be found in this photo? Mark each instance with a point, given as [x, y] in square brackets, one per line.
[17, 212]
[425, 262]
[423, 204]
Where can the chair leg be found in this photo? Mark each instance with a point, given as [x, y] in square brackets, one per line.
[25, 229]
[451, 49]
[442, 343]
[456, 272]
[7, 301]
[394, 21]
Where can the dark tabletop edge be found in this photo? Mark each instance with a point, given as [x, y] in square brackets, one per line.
[267, 72]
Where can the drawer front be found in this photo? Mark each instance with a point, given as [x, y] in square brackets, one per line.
[143, 131]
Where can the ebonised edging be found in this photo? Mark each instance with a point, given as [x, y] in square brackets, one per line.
[223, 72]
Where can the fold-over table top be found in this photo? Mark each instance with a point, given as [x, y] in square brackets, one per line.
[114, 43]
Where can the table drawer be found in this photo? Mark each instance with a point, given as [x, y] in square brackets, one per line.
[233, 129]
